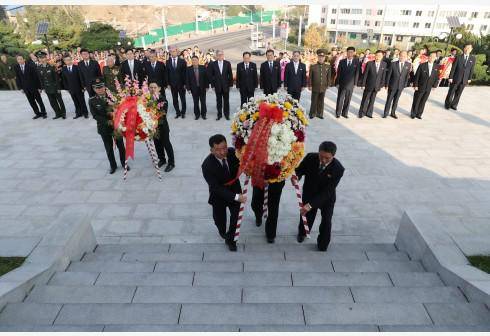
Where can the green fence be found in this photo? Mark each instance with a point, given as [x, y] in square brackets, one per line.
[156, 35]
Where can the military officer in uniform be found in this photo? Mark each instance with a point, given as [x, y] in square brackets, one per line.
[51, 85]
[101, 109]
[320, 78]
[111, 72]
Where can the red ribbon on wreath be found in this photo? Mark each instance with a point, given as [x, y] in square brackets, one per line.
[129, 108]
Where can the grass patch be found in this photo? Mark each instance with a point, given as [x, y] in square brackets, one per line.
[480, 261]
[8, 264]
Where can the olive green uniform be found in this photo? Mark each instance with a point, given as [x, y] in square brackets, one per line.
[100, 109]
[320, 79]
[51, 85]
[110, 75]
[7, 73]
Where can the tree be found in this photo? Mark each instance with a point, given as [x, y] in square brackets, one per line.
[66, 24]
[314, 37]
[99, 36]
[10, 42]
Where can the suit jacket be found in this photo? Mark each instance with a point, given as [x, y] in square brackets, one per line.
[71, 81]
[396, 80]
[295, 81]
[138, 71]
[319, 187]
[347, 77]
[461, 73]
[221, 82]
[372, 80]
[270, 80]
[246, 80]
[216, 177]
[176, 76]
[425, 81]
[191, 83]
[88, 74]
[29, 80]
[158, 75]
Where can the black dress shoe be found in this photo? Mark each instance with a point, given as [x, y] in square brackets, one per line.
[227, 118]
[270, 240]
[369, 116]
[218, 118]
[183, 116]
[37, 116]
[112, 170]
[64, 117]
[177, 116]
[337, 116]
[161, 163]
[204, 117]
[300, 238]
[419, 117]
[77, 116]
[311, 116]
[393, 116]
[57, 117]
[45, 116]
[86, 116]
[346, 116]
[169, 167]
[321, 117]
[222, 235]
[196, 117]
[231, 245]
[384, 116]
[258, 221]
[360, 116]
[412, 117]
[454, 108]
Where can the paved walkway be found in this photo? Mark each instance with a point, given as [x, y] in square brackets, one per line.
[440, 164]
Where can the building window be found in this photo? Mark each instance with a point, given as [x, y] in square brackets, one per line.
[367, 23]
[343, 22]
[345, 10]
[483, 28]
[470, 27]
[356, 11]
[418, 13]
[389, 23]
[460, 13]
[334, 10]
[431, 13]
[332, 21]
[474, 15]
[399, 38]
[406, 12]
[323, 20]
[427, 25]
[412, 38]
[379, 12]
[416, 25]
[487, 15]
[323, 9]
[368, 12]
[352, 36]
[377, 23]
[356, 22]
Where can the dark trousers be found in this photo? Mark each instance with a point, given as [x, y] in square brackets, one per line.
[223, 103]
[79, 102]
[34, 98]
[367, 102]
[219, 216]
[295, 95]
[274, 198]
[419, 100]
[453, 95]
[200, 97]
[109, 149]
[343, 101]
[176, 92]
[317, 104]
[245, 95]
[392, 101]
[325, 228]
[56, 102]
[90, 91]
[269, 91]
[162, 143]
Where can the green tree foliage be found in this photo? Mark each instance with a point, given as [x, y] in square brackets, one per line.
[314, 37]
[99, 36]
[65, 25]
[10, 42]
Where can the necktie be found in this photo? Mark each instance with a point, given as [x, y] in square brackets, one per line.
[153, 66]
[22, 68]
[246, 67]
[465, 59]
[220, 67]
[270, 66]
[69, 69]
[225, 166]
[86, 64]
[320, 169]
[401, 67]
[348, 63]
[196, 74]
[175, 63]
[377, 67]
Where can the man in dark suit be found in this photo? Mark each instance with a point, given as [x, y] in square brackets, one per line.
[162, 139]
[28, 82]
[176, 76]
[221, 79]
[372, 81]
[89, 70]
[219, 168]
[71, 80]
[346, 78]
[198, 84]
[322, 173]
[460, 76]
[270, 74]
[397, 79]
[132, 68]
[155, 71]
[246, 78]
[425, 80]
[295, 76]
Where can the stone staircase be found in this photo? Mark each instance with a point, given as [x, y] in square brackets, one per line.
[280, 287]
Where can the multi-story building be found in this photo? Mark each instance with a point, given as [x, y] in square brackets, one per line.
[396, 24]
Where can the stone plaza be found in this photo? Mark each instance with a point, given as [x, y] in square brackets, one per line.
[160, 265]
